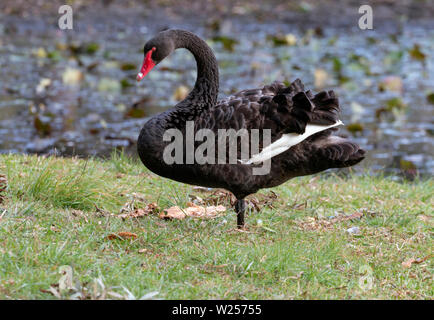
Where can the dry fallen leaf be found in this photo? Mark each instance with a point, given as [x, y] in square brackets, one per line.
[141, 212]
[192, 210]
[410, 262]
[172, 213]
[101, 212]
[122, 236]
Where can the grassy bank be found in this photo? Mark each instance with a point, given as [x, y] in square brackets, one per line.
[60, 212]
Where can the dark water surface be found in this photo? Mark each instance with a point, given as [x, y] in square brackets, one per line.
[72, 92]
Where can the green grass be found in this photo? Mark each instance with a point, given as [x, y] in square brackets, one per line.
[59, 211]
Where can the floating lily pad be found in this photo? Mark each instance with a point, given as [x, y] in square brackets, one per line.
[283, 40]
[128, 66]
[332, 41]
[406, 165]
[91, 48]
[125, 83]
[393, 106]
[135, 113]
[395, 103]
[54, 55]
[393, 57]
[43, 127]
[228, 43]
[75, 47]
[430, 97]
[416, 53]
[354, 128]
[337, 65]
[214, 25]
[371, 40]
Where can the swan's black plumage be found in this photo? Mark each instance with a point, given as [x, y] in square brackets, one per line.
[282, 109]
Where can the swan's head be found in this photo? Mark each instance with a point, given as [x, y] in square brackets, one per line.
[155, 51]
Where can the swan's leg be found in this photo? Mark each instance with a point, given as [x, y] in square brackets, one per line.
[240, 207]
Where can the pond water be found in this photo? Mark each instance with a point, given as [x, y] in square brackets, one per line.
[74, 92]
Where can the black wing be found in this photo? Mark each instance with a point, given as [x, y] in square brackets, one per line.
[280, 108]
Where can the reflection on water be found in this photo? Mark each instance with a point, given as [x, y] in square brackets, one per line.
[75, 92]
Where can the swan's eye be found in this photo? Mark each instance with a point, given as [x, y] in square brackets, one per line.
[152, 50]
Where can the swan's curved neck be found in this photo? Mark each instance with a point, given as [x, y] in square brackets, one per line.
[206, 88]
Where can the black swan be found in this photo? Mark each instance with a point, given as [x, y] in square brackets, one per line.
[299, 122]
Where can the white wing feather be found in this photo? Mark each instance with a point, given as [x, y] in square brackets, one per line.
[287, 141]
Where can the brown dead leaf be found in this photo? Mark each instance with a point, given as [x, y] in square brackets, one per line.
[408, 263]
[122, 236]
[101, 212]
[141, 212]
[172, 213]
[192, 210]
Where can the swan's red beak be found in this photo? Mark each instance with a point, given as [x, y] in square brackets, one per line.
[148, 64]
